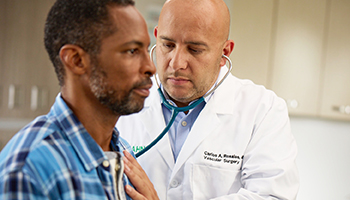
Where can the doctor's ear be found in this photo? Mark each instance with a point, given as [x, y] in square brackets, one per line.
[227, 50]
[155, 32]
[74, 58]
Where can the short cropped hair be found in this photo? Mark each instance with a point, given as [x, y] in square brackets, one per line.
[79, 22]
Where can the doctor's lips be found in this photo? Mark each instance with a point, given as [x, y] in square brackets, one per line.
[177, 80]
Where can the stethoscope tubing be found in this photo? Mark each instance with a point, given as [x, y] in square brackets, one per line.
[175, 110]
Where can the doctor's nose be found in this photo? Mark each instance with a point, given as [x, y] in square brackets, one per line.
[178, 60]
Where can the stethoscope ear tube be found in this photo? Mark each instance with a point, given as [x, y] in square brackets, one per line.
[175, 110]
[151, 56]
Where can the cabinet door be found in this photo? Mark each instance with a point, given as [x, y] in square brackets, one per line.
[17, 19]
[298, 54]
[2, 49]
[25, 67]
[336, 93]
[251, 23]
[43, 86]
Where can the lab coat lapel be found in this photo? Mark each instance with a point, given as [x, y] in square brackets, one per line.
[208, 120]
[153, 120]
[197, 135]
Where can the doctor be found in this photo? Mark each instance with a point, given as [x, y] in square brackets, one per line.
[237, 144]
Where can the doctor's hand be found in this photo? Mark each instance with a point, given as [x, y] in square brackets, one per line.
[144, 187]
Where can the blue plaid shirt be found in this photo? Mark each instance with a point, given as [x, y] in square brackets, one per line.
[54, 157]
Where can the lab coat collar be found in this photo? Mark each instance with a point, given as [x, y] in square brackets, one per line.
[151, 113]
[219, 105]
[222, 102]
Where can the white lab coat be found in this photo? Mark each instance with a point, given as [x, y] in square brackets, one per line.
[240, 147]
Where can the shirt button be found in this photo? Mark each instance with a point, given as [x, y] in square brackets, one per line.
[105, 163]
[184, 123]
[117, 167]
[174, 183]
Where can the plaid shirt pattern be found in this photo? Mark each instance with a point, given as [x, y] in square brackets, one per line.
[54, 157]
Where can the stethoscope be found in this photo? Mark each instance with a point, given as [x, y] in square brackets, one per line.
[175, 110]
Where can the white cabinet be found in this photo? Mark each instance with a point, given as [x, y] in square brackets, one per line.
[251, 24]
[14, 65]
[336, 82]
[28, 84]
[299, 49]
[298, 53]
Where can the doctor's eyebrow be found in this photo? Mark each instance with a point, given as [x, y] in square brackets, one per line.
[197, 43]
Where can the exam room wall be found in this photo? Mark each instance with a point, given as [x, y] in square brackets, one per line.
[323, 158]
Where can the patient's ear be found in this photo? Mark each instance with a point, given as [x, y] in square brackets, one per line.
[74, 58]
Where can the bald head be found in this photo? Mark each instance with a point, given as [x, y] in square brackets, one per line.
[192, 37]
[210, 15]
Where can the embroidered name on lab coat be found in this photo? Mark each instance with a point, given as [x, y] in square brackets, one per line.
[136, 149]
[222, 157]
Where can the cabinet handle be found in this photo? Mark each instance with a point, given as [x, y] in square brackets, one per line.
[342, 109]
[15, 97]
[12, 96]
[34, 98]
[292, 103]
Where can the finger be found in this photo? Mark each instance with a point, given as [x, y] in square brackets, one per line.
[131, 159]
[138, 177]
[133, 194]
[131, 171]
[134, 172]
[134, 166]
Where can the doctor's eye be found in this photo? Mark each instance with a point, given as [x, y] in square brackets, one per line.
[169, 45]
[194, 50]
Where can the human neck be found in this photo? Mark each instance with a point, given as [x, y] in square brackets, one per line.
[98, 120]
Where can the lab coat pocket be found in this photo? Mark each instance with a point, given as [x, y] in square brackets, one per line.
[209, 182]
